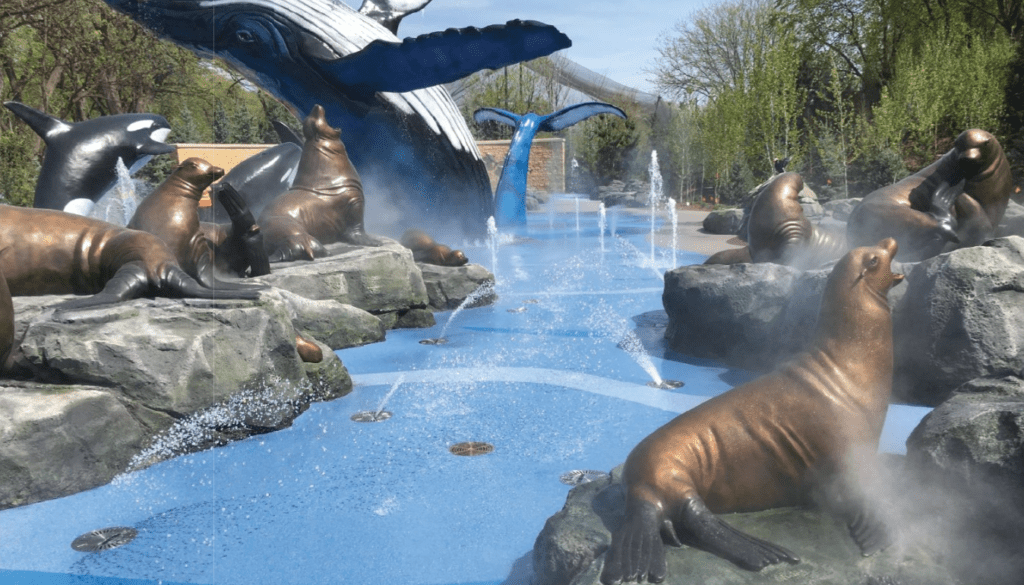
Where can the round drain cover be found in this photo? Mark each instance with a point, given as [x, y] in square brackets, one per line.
[581, 476]
[666, 384]
[471, 448]
[104, 539]
[371, 416]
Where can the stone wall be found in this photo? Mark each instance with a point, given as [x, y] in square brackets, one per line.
[547, 163]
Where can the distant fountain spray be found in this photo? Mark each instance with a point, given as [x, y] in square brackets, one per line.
[117, 206]
[380, 414]
[655, 195]
[484, 289]
[643, 261]
[577, 200]
[602, 223]
[674, 218]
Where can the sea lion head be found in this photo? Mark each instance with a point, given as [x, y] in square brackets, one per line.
[871, 267]
[456, 258]
[977, 149]
[197, 173]
[315, 126]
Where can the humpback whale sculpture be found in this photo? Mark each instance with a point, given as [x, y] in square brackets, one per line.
[411, 145]
[81, 158]
[510, 195]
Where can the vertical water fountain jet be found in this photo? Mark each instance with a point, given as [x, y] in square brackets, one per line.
[486, 288]
[674, 218]
[602, 223]
[118, 204]
[577, 200]
[611, 325]
[380, 414]
[642, 260]
[492, 243]
[655, 195]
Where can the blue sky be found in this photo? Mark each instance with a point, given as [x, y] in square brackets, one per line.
[616, 38]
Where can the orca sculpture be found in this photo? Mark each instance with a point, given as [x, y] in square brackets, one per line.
[259, 179]
[409, 142]
[510, 196]
[81, 158]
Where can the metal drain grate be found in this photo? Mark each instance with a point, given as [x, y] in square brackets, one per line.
[581, 476]
[471, 448]
[104, 539]
[368, 416]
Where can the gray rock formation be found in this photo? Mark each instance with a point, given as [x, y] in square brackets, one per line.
[632, 194]
[959, 316]
[723, 221]
[337, 325]
[840, 209]
[448, 286]
[1013, 221]
[381, 281]
[571, 546]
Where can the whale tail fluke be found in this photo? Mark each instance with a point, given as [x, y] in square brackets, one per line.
[43, 124]
[497, 115]
[575, 114]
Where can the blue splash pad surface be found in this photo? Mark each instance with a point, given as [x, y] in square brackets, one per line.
[333, 501]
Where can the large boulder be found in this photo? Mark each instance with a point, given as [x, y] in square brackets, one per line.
[723, 221]
[961, 317]
[747, 315]
[570, 548]
[448, 286]
[384, 280]
[958, 317]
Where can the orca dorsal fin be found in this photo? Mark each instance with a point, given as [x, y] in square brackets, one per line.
[575, 114]
[45, 125]
[497, 115]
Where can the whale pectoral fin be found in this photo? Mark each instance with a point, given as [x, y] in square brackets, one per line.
[637, 551]
[575, 114]
[869, 531]
[442, 57]
[700, 528]
[41, 123]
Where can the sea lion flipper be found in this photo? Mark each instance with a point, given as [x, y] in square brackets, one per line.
[870, 532]
[637, 551]
[128, 282]
[700, 528]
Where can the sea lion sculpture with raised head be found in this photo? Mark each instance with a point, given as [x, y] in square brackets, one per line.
[81, 158]
[778, 231]
[929, 212]
[426, 250]
[171, 213]
[325, 203]
[52, 252]
[779, 440]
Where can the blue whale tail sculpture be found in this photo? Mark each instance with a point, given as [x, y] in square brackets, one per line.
[510, 195]
[81, 158]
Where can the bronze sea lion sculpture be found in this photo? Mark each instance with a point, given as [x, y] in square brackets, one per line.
[171, 213]
[325, 203]
[779, 232]
[776, 441]
[927, 213]
[52, 252]
[426, 250]
[6, 320]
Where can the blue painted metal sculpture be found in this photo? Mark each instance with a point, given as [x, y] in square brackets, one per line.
[409, 141]
[510, 196]
[81, 159]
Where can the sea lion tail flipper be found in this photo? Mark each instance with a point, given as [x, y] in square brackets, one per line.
[177, 282]
[637, 551]
[869, 532]
[129, 282]
[700, 528]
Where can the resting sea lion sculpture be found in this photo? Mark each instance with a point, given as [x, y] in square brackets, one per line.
[324, 204]
[6, 320]
[171, 213]
[927, 213]
[51, 252]
[426, 250]
[779, 232]
[775, 441]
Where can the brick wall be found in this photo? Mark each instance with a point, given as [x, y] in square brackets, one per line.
[547, 163]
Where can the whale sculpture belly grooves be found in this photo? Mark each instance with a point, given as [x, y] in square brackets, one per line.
[795, 435]
[409, 141]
